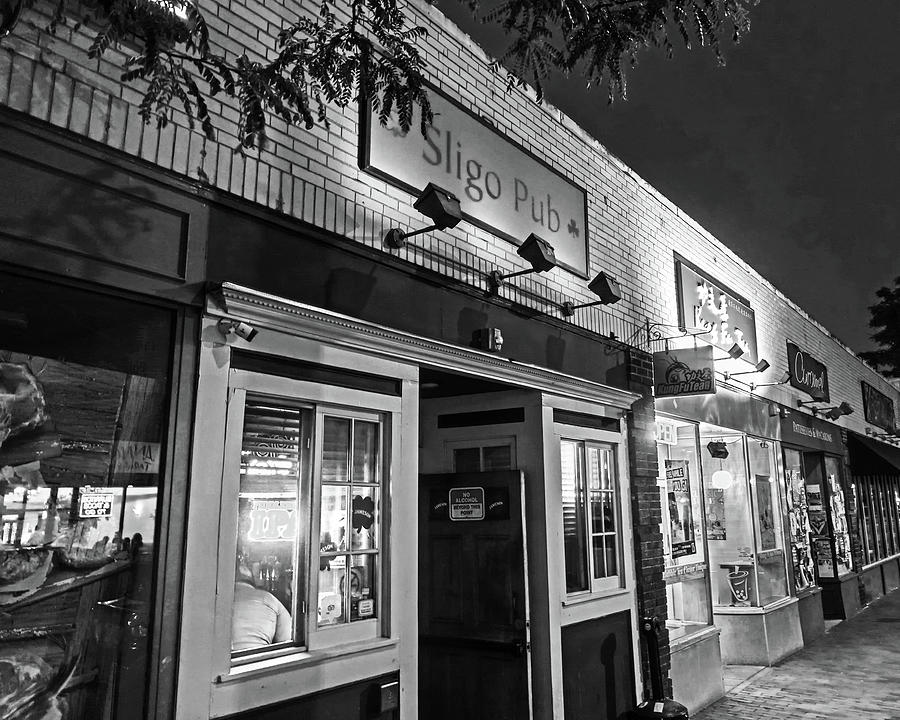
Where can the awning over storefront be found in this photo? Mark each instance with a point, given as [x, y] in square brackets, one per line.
[872, 457]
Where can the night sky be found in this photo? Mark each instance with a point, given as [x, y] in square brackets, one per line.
[790, 154]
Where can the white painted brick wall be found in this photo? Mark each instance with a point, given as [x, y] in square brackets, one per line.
[312, 175]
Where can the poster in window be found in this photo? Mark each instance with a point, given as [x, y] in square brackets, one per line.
[715, 514]
[765, 512]
[681, 516]
[824, 562]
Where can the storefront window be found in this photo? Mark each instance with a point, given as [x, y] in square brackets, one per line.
[84, 387]
[686, 572]
[272, 580]
[795, 494]
[743, 519]
[843, 558]
[590, 516]
[770, 569]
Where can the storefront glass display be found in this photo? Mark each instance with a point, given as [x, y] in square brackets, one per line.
[838, 511]
[84, 387]
[743, 519]
[681, 500]
[770, 569]
[798, 518]
[277, 490]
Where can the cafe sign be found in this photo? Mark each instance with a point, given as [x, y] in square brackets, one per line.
[725, 318]
[684, 372]
[878, 408]
[501, 187]
[807, 373]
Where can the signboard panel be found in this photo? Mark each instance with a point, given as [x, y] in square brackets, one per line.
[807, 431]
[807, 373]
[684, 372]
[878, 408]
[501, 186]
[703, 303]
[95, 504]
[466, 503]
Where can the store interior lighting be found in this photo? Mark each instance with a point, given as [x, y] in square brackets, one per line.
[604, 286]
[539, 254]
[439, 205]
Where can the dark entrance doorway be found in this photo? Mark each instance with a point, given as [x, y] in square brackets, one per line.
[473, 598]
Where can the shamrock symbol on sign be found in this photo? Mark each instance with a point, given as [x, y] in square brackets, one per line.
[572, 227]
[363, 512]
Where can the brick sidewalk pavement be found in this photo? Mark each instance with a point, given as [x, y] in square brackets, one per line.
[851, 673]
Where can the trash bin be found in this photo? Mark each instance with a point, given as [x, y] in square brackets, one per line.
[659, 706]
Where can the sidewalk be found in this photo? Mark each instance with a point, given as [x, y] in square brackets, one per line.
[851, 673]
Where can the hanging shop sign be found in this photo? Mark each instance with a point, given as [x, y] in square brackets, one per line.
[809, 432]
[807, 373]
[681, 516]
[501, 186]
[878, 408]
[684, 372]
[704, 303]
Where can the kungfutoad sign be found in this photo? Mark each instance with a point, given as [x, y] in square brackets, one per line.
[501, 187]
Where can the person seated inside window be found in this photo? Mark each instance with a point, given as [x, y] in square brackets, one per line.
[258, 618]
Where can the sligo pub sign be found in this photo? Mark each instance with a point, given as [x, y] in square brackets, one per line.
[878, 408]
[500, 185]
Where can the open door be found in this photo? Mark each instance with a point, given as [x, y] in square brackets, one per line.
[473, 598]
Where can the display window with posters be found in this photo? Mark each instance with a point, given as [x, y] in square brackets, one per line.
[681, 499]
[743, 518]
[84, 398]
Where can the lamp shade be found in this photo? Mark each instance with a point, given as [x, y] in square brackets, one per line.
[538, 252]
[721, 479]
[762, 366]
[606, 288]
[735, 351]
[442, 206]
[718, 449]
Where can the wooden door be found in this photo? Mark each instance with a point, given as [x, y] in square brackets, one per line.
[473, 598]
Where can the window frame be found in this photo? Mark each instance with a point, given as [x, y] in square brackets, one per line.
[333, 399]
[609, 583]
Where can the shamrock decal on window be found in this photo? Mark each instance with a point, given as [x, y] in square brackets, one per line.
[363, 512]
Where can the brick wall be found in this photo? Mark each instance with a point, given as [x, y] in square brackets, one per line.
[646, 510]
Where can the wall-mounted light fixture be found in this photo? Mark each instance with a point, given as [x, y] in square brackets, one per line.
[439, 205]
[604, 286]
[809, 405]
[237, 329]
[761, 366]
[537, 251]
[833, 413]
[778, 411]
[785, 377]
[734, 352]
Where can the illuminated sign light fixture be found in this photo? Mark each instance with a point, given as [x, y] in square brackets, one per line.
[785, 378]
[537, 251]
[832, 413]
[734, 352]
[761, 366]
[439, 205]
[604, 286]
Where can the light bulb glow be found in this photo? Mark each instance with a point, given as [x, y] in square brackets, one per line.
[722, 479]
